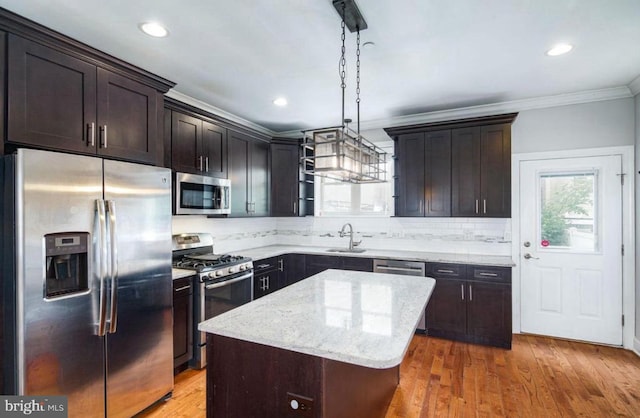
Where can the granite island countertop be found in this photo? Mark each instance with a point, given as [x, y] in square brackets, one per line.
[276, 250]
[366, 319]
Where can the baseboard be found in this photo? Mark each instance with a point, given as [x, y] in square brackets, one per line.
[636, 346]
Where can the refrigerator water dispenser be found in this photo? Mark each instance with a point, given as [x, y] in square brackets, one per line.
[66, 264]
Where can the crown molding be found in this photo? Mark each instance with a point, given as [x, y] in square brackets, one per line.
[441, 115]
[493, 109]
[174, 94]
[634, 86]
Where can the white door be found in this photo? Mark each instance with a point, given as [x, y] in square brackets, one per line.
[571, 249]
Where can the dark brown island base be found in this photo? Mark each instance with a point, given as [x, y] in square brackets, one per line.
[246, 379]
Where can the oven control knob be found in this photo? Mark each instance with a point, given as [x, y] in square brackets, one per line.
[243, 267]
[232, 270]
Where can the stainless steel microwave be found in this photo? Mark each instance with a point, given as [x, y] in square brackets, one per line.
[201, 195]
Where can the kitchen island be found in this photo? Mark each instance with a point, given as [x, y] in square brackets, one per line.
[328, 346]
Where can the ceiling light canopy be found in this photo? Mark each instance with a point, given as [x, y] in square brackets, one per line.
[154, 29]
[339, 152]
[559, 49]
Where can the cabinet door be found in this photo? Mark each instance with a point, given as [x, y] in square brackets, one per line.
[259, 170]
[284, 179]
[437, 167]
[294, 268]
[214, 150]
[465, 172]
[182, 321]
[265, 283]
[495, 171]
[489, 313]
[186, 136]
[51, 98]
[356, 264]
[239, 174]
[410, 193]
[127, 119]
[317, 263]
[446, 310]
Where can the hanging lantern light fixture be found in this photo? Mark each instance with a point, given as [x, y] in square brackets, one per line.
[340, 152]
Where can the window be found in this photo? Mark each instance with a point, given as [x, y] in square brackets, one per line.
[334, 198]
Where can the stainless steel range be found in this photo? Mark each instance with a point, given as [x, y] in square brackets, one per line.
[224, 282]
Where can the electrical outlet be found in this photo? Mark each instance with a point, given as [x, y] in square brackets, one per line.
[299, 406]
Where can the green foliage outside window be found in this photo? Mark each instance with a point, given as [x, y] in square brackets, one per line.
[564, 198]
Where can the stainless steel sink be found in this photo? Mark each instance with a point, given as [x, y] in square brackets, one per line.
[345, 250]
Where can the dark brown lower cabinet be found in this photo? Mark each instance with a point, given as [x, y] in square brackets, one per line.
[182, 320]
[471, 303]
[246, 379]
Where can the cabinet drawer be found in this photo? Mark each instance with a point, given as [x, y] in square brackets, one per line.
[183, 286]
[446, 270]
[266, 264]
[490, 274]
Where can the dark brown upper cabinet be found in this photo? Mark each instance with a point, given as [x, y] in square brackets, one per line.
[285, 160]
[198, 146]
[249, 175]
[456, 168]
[69, 102]
[424, 174]
[481, 171]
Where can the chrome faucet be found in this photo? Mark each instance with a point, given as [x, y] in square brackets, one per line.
[342, 233]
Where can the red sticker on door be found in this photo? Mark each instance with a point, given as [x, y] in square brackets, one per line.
[544, 243]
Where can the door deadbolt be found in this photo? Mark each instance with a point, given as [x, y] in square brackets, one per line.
[527, 244]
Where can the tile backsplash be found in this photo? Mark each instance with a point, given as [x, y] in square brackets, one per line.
[485, 236]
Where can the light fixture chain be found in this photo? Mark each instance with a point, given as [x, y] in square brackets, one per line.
[343, 63]
[358, 79]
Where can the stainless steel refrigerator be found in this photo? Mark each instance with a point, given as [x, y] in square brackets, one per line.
[86, 272]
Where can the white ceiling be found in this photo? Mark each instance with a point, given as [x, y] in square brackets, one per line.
[430, 55]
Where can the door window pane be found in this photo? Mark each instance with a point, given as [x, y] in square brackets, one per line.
[568, 211]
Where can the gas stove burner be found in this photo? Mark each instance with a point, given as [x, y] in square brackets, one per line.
[206, 262]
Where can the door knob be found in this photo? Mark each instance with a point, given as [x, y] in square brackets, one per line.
[528, 256]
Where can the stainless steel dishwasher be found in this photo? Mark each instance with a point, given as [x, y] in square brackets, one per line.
[407, 268]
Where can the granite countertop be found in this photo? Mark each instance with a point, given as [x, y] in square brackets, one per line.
[367, 319]
[488, 260]
[180, 273]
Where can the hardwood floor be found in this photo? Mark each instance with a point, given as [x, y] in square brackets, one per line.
[539, 377]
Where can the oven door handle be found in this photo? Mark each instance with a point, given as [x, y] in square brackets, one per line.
[228, 282]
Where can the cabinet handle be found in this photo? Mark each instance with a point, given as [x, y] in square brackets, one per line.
[182, 288]
[489, 274]
[445, 271]
[261, 266]
[91, 137]
[103, 143]
[462, 290]
[476, 205]
[206, 164]
[420, 207]
[200, 163]
[295, 204]
[484, 206]
[281, 265]
[470, 293]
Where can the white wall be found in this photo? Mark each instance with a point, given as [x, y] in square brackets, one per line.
[588, 125]
[635, 173]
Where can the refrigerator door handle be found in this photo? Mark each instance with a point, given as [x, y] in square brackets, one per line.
[102, 248]
[113, 314]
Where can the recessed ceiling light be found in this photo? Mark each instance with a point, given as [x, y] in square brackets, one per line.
[559, 49]
[154, 29]
[280, 101]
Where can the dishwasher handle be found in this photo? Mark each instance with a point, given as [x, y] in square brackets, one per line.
[407, 268]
